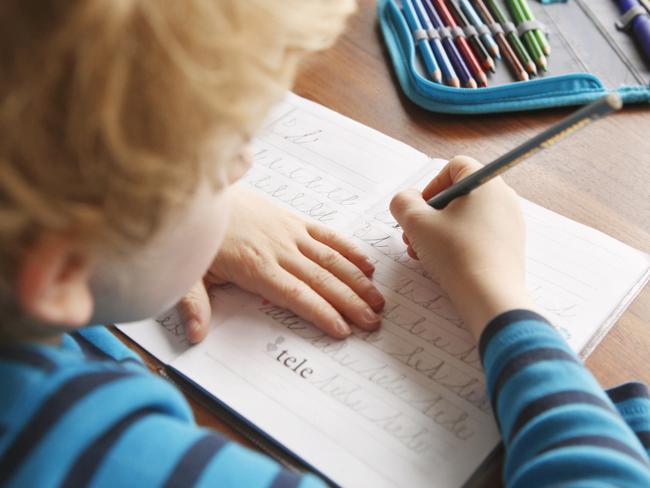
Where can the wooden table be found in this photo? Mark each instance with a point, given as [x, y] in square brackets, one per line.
[600, 177]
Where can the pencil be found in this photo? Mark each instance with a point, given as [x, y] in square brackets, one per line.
[529, 37]
[516, 68]
[550, 136]
[512, 37]
[462, 70]
[541, 37]
[448, 72]
[461, 43]
[486, 36]
[481, 52]
[422, 41]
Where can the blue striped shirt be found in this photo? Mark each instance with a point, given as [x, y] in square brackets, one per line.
[89, 413]
[558, 426]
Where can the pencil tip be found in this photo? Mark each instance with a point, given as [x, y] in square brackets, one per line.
[542, 63]
[523, 76]
[436, 76]
[471, 83]
[531, 68]
[454, 82]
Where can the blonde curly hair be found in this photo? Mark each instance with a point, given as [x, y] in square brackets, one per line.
[109, 108]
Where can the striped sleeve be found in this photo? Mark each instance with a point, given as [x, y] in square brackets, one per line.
[156, 450]
[557, 424]
[632, 400]
[69, 421]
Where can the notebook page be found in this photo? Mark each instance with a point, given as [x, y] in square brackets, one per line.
[389, 408]
[581, 279]
[333, 187]
[408, 398]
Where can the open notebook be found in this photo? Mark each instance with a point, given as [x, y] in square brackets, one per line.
[404, 406]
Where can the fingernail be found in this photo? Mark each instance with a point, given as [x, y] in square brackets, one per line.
[342, 327]
[370, 317]
[369, 265]
[194, 326]
[375, 298]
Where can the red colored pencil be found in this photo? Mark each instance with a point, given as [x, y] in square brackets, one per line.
[461, 43]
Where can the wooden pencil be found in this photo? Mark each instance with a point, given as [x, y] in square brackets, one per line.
[515, 66]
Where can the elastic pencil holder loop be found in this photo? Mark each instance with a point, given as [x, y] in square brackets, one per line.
[457, 31]
[420, 34]
[444, 32]
[433, 34]
[496, 28]
[508, 27]
[529, 25]
[628, 17]
[470, 31]
[482, 29]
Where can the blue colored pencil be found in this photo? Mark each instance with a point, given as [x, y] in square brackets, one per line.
[487, 39]
[448, 72]
[421, 39]
[456, 59]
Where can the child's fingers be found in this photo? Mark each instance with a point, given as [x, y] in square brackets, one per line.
[334, 240]
[332, 289]
[408, 207]
[286, 290]
[344, 270]
[455, 170]
[411, 252]
[195, 311]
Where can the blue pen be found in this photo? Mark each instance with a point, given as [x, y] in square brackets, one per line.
[484, 32]
[448, 72]
[456, 59]
[638, 21]
[421, 38]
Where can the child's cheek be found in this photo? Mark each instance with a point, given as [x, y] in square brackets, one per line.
[155, 278]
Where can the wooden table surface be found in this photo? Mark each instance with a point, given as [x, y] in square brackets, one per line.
[599, 177]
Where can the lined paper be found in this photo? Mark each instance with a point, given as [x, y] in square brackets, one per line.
[405, 405]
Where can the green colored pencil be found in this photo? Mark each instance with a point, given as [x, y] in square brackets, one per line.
[534, 48]
[541, 37]
[513, 38]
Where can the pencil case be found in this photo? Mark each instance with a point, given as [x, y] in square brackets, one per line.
[590, 58]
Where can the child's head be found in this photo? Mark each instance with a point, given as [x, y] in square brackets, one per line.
[122, 123]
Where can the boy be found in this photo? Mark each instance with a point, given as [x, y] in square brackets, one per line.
[123, 125]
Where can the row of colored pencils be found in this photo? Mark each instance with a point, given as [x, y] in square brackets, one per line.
[459, 48]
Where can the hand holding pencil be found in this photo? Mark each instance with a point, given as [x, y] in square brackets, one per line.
[475, 251]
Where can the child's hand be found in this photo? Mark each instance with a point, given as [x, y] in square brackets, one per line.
[475, 248]
[294, 263]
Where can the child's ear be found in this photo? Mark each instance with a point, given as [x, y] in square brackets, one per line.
[52, 282]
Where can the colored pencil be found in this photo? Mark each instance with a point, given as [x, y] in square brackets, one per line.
[513, 38]
[448, 72]
[639, 26]
[487, 39]
[516, 68]
[422, 41]
[539, 35]
[465, 76]
[461, 43]
[481, 53]
[530, 40]
[550, 136]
